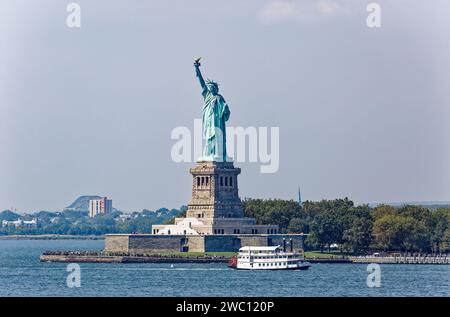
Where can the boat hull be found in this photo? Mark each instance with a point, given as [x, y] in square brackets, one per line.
[303, 266]
[284, 269]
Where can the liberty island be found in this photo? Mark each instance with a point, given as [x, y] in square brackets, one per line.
[215, 220]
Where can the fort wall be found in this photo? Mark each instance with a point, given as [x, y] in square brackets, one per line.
[148, 243]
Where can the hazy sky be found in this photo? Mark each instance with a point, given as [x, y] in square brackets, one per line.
[362, 112]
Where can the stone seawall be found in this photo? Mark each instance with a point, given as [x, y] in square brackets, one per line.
[196, 243]
[81, 258]
[102, 258]
[254, 241]
[117, 243]
[157, 243]
[217, 243]
[129, 259]
[401, 259]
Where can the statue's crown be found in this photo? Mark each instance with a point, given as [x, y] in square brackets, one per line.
[211, 82]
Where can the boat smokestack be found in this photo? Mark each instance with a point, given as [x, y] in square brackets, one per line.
[284, 245]
[290, 242]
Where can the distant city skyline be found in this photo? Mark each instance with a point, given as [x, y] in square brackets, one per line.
[362, 113]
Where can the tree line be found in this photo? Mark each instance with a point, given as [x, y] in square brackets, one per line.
[329, 223]
[77, 222]
[357, 229]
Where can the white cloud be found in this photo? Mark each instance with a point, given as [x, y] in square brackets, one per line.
[307, 11]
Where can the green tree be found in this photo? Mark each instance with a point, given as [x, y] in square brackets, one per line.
[440, 223]
[298, 225]
[383, 210]
[272, 211]
[402, 233]
[358, 233]
[387, 234]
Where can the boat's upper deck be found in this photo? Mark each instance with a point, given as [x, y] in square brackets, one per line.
[271, 249]
[265, 252]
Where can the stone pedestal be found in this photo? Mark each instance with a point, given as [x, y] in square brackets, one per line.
[215, 191]
[215, 207]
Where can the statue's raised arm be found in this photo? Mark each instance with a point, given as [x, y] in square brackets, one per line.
[199, 74]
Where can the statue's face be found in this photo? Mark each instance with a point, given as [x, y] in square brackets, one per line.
[213, 89]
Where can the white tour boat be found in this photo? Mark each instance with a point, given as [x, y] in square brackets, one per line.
[268, 258]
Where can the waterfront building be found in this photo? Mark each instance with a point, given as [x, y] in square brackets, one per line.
[20, 223]
[99, 206]
[124, 217]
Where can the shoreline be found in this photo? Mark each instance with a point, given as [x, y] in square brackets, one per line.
[128, 259]
[51, 237]
[101, 257]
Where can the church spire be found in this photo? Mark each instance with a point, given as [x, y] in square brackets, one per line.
[299, 197]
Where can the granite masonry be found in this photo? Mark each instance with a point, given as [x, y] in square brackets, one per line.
[150, 243]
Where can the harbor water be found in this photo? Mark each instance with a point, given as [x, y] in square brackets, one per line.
[21, 274]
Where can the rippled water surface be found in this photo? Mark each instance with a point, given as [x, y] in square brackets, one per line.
[21, 274]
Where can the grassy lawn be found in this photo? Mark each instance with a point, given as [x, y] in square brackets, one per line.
[308, 254]
[196, 254]
[325, 254]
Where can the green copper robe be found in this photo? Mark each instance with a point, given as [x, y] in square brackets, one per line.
[215, 114]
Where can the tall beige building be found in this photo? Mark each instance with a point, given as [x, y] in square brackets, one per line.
[99, 206]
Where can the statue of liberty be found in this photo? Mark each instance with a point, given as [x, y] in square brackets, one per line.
[215, 114]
